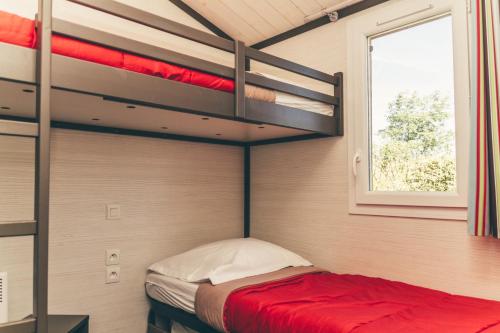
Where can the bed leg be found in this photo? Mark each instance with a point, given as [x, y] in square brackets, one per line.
[154, 326]
[151, 317]
[153, 329]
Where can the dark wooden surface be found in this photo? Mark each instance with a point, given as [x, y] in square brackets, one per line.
[68, 323]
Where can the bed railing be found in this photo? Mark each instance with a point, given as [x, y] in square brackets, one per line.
[243, 109]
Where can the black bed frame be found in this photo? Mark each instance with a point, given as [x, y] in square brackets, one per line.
[166, 314]
[130, 87]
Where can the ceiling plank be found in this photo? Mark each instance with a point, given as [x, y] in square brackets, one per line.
[216, 11]
[308, 7]
[202, 20]
[249, 14]
[269, 13]
[288, 10]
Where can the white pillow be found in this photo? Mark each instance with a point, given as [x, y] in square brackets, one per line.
[228, 260]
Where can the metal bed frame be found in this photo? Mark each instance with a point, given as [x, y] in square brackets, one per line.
[124, 86]
[60, 72]
[162, 314]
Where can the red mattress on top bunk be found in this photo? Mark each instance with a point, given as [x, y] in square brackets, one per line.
[20, 31]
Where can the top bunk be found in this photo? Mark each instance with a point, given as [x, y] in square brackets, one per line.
[104, 81]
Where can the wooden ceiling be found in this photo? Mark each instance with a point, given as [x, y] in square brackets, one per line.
[255, 20]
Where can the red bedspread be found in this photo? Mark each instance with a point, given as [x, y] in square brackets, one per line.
[327, 302]
[20, 31]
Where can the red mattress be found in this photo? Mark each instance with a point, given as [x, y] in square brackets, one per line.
[20, 31]
[331, 303]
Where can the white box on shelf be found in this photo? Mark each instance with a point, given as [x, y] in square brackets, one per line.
[4, 298]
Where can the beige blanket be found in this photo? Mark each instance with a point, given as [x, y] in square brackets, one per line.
[260, 94]
[210, 299]
[297, 102]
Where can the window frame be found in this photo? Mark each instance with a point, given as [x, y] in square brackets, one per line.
[395, 16]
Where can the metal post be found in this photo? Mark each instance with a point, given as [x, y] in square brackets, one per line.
[239, 79]
[246, 190]
[42, 173]
[339, 109]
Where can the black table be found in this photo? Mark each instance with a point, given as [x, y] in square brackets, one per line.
[68, 323]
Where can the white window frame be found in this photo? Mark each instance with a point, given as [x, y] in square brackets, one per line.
[395, 15]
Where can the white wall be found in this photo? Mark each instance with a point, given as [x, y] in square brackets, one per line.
[173, 196]
[300, 201]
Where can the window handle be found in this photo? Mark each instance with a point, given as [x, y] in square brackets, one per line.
[355, 160]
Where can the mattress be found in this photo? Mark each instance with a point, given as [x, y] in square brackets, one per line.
[20, 31]
[292, 100]
[172, 291]
[312, 300]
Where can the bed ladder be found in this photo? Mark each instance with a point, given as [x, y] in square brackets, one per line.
[39, 226]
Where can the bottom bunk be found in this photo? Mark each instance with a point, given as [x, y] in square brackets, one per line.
[299, 299]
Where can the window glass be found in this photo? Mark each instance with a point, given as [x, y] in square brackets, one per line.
[412, 123]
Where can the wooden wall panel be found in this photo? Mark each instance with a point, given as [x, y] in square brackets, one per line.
[16, 204]
[173, 196]
[17, 174]
[300, 201]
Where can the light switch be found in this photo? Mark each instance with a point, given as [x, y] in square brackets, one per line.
[113, 212]
[112, 257]
[113, 274]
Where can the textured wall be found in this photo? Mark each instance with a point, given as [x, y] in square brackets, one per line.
[300, 201]
[173, 196]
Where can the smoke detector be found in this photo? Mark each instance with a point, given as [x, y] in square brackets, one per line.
[333, 16]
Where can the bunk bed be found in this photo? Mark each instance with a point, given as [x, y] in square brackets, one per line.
[56, 73]
[138, 86]
[114, 84]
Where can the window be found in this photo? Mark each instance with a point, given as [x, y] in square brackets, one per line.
[408, 104]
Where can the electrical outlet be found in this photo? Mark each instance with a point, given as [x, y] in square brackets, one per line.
[113, 274]
[112, 257]
[113, 212]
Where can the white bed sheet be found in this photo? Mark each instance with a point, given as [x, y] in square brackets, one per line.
[303, 103]
[171, 291]
[297, 101]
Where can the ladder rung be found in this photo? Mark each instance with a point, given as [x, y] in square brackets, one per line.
[18, 228]
[18, 128]
[22, 326]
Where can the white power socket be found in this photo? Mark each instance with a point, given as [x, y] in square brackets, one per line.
[112, 257]
[113, 212]
[112, 274]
